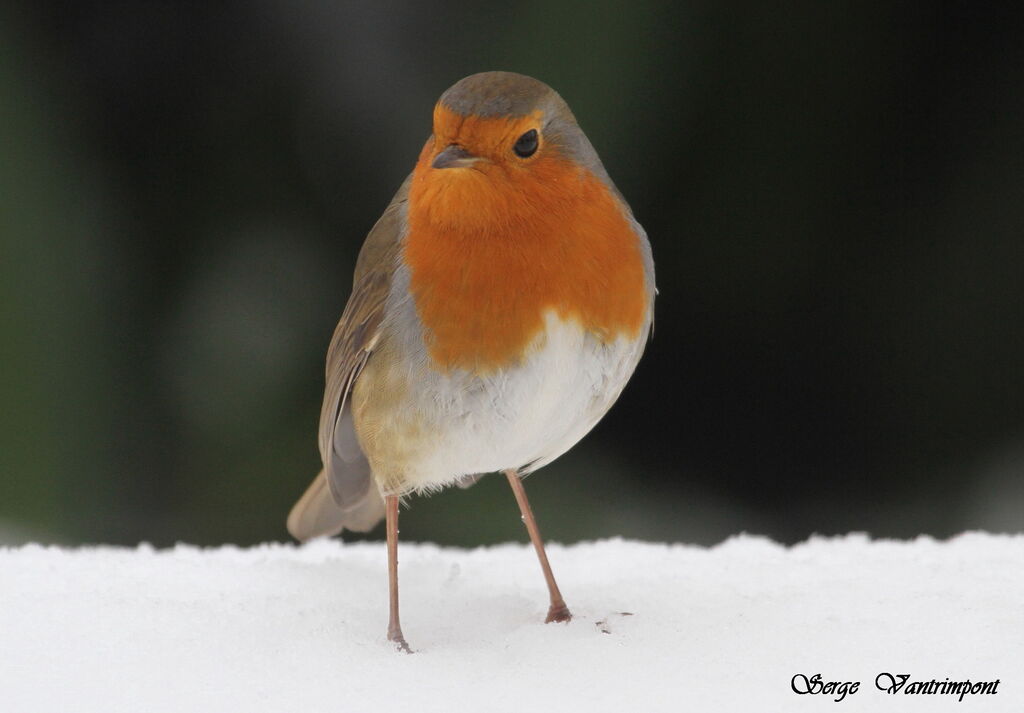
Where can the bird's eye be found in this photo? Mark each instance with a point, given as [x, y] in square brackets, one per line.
[526, 145]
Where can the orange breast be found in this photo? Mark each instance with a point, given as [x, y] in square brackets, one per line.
[490, 253]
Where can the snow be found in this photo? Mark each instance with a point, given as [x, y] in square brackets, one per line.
[288, 628]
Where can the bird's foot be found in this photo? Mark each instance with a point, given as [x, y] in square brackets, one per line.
[558, 613]
[395, 637]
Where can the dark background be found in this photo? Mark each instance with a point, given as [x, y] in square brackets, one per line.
[834, 192]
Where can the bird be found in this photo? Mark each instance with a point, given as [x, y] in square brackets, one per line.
[498, 308]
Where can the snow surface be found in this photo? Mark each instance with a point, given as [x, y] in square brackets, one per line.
[286, 628]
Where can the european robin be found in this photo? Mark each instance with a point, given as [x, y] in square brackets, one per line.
[499, 306]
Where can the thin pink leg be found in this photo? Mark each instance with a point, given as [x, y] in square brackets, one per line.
[394, 625]
[558, 611]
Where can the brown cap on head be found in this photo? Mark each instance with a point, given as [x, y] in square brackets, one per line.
[489, 94]
[492, 94]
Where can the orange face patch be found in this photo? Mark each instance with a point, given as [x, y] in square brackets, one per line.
[493, 246]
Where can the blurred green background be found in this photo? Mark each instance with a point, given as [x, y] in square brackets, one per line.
[834, 192]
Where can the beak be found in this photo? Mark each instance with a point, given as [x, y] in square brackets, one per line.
[454, 157]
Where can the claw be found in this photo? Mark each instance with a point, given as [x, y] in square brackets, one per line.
[558, 613]
[399, 641]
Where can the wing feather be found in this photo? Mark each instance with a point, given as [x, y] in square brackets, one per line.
[346, 470]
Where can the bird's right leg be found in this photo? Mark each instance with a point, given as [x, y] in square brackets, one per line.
[394, 625]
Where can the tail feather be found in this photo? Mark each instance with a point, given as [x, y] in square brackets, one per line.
[316, 513]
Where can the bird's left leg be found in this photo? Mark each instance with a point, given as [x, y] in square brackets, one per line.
[558, 611]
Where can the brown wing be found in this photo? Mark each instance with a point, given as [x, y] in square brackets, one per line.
[342, 495]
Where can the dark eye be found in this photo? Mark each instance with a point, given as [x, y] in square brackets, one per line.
[526, 145]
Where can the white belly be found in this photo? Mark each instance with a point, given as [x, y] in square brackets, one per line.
[523, 417]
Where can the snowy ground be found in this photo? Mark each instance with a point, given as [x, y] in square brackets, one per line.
[283, 628]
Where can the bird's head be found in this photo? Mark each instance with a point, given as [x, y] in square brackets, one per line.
[504, 147]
